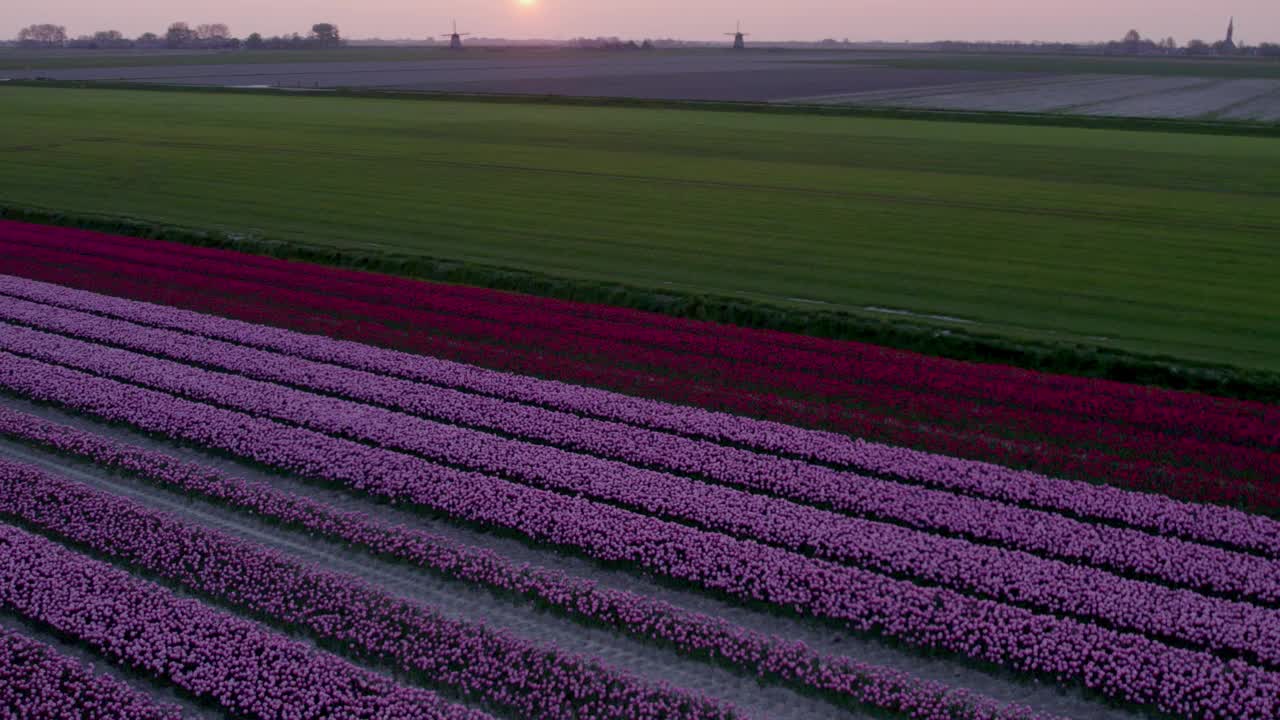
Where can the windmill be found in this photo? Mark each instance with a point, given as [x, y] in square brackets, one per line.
[739, 38]
[455, 37]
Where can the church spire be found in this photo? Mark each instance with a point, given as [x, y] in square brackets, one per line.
[1231, 31]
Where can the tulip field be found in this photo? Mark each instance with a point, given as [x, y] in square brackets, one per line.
[237, 486]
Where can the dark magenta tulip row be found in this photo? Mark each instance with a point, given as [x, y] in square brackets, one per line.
[1210, 456]
[868, 390]
[407, 292]
[1069, 460]
[37, 681]
[689, 632]
[1127, 667]
[239, 665]
[1092, 399]
[1120, 549]
[990, 572]
[1149, 512]
[478, 662]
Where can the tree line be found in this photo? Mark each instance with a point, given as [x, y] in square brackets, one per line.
[1133, 43]
[179, 36]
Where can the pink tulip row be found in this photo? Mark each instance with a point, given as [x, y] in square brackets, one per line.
[689, 632]
[1070, 459]
[990, 572]
[1154, 513]
[481, 663]
[36, 681]
[1120, 549]
[213, 655]
[1118, 402]
[1127, 667]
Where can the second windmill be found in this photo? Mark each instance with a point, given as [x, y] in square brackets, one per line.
[739, 38]
[455, 37]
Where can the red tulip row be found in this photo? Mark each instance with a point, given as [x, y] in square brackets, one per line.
[679, 439]
[841, 678]
[873, 392]
[1134, 458]
[1128, 667]
[1135, 473]
[1119, 402]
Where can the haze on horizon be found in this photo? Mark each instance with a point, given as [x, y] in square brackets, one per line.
[858, 20]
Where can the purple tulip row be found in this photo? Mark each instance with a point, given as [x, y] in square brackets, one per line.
[1008, 576]
[1119, 549]
[689, 632]
[239, 665]
[36, 681]
[1150, 512]
[1127, 667]
[476, 661]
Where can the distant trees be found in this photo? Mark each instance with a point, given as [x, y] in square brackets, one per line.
[214, 32]
[179, 35]
[1198, 47]
[1269, 50]
[609, 43]
[1222, 47]
[43, 35]
[206, 36]
[326, 35]
[102, 40]
[1134, 44]
[322, 35]
[111, 39]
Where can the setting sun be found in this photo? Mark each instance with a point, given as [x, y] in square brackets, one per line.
[528, 3]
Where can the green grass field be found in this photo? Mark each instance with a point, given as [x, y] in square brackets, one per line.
[1143, 241]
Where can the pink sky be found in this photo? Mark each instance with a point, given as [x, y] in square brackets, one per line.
[1256, 20]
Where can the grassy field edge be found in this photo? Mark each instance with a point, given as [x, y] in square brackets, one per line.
[1243, 128]
[1068, 358]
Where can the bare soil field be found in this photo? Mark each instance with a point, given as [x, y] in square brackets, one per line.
[1146, 96]
[751, 77]
[820, 77]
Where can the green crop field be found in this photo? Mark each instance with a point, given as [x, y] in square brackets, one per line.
[1144, 241]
